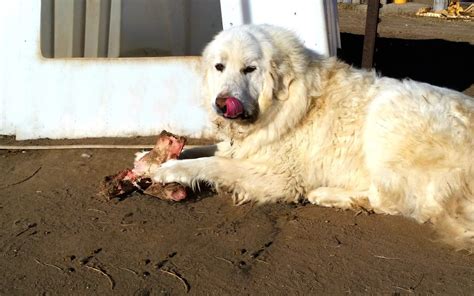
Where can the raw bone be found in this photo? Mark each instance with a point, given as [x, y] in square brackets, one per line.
[127, 181]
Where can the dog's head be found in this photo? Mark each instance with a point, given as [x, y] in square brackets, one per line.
[248, 73]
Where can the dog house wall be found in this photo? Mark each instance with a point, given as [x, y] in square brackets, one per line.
[89, 97]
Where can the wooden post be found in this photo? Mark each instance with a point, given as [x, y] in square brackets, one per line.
[114, 28]
[47, 28]
[97, 28]
[63, 28]
[79, 27]
[91, 39]
[371, 23]
[104, 26]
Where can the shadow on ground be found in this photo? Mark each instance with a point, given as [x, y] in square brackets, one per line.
[439, 62]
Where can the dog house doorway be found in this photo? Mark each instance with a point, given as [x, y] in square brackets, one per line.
[127, 28]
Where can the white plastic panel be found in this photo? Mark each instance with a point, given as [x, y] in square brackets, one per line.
[310, 19]
[75, 98]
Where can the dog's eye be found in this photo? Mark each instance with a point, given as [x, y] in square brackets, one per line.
[249, 69]
[219, 67]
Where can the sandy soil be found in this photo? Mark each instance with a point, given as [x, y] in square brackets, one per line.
[398, 21]
[55, 231]
[58, 238]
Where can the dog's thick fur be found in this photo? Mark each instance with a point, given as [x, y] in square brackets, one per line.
[320, 130]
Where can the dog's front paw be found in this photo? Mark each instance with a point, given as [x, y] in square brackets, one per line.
[172, 171]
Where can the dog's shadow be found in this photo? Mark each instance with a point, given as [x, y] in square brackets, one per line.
[438, 62]
[203, 191]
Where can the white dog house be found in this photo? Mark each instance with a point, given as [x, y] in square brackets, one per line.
[63, 74]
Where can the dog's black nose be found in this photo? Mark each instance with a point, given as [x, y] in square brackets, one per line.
[221, 104]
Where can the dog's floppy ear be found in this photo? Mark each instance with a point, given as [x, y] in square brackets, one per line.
[283, 76]
[277, 81]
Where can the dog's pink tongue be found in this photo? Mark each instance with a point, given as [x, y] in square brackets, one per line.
[234, 107]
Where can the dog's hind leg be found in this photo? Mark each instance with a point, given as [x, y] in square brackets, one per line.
[339, 198]
[455, 223]
[246, 181]
[444, 197]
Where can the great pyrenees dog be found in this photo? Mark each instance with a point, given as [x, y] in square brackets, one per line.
[297, 126]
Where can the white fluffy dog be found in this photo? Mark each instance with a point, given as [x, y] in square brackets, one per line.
[296, 126]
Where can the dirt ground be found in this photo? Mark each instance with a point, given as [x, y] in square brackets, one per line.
[55, 231]
[58, 238]
[398, 21]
